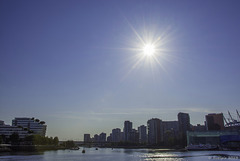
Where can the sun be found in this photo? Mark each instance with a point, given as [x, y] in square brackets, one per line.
[149, 50]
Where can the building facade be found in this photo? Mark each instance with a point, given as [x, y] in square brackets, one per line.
[96, 138]
[87, 138]
[36, 126]
[142, 130]
[7, 131]
[170, 131]
[116, 135]
[134, 136]
[214, 121]
[155, 131]
[102, 137]
[199, 128]
[127, 129]
[210, 137]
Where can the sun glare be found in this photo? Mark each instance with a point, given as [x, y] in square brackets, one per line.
[149, 50]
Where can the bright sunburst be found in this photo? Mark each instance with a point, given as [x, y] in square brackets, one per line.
[149, 50]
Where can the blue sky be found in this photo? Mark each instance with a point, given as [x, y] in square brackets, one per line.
[72, 63]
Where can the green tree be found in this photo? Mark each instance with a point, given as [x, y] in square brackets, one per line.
[69, 144]
[55, 140]
[42, 122]
[14, 138]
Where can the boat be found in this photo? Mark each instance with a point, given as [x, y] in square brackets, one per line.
[75, 148]
[96, 148]
[201, 147]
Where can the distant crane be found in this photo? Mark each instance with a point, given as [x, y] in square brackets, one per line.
[230, 121]
[227, 123]
[230, 116]
[238, 116]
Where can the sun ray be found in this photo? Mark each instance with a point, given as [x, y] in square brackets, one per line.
[149, 49]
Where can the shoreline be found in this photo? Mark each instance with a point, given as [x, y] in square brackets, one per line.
[29, 148]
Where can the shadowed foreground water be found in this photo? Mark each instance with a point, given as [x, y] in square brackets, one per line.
[122, 155]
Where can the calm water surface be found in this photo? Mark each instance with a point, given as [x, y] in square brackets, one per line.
[122, 155]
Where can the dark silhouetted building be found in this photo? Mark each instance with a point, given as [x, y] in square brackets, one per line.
[116, 135]
[134, 136]
[127, 129]
[214, 121]
[155, 132]
[142, 130]
[199, 128]
[184, 126]
[184, 122]
[96, 138]
[170, 132]
[109, 138]
[102, 137]
[87, 138]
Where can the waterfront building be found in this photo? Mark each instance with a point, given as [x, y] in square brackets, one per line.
[122, 137]
[170, 131]
[214, 121]
[87, 138]
[102, 137]
[8, 130]
[155, 131]
[184, 122]
[109, 138]
[116, 135]
[184, 126]
[142, 130]
[35, 125]
[127, 129]
[96, 138]
[134, 136]
[212, 137]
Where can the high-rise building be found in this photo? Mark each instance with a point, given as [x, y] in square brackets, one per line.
[184, 126]
[116, 135]
[134, 136]
[142, 130]
[36, 126]
[184, 122]
[102, 137]
[155, 132]
[87, 138]
[214, 121]
[96, 138]
[122, 137]
[127, 129]
[109, 138]
[171, 127]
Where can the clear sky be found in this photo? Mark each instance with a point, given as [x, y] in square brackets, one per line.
[79, 65]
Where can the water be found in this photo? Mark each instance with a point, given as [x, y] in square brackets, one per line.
[107, 154]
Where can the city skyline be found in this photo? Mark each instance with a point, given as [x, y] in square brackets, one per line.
[80, 64]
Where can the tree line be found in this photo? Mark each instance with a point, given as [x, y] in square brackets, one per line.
[14, 139]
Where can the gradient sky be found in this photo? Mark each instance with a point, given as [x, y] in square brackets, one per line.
[71, 63]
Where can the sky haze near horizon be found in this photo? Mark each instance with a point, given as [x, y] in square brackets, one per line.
[74, 64]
